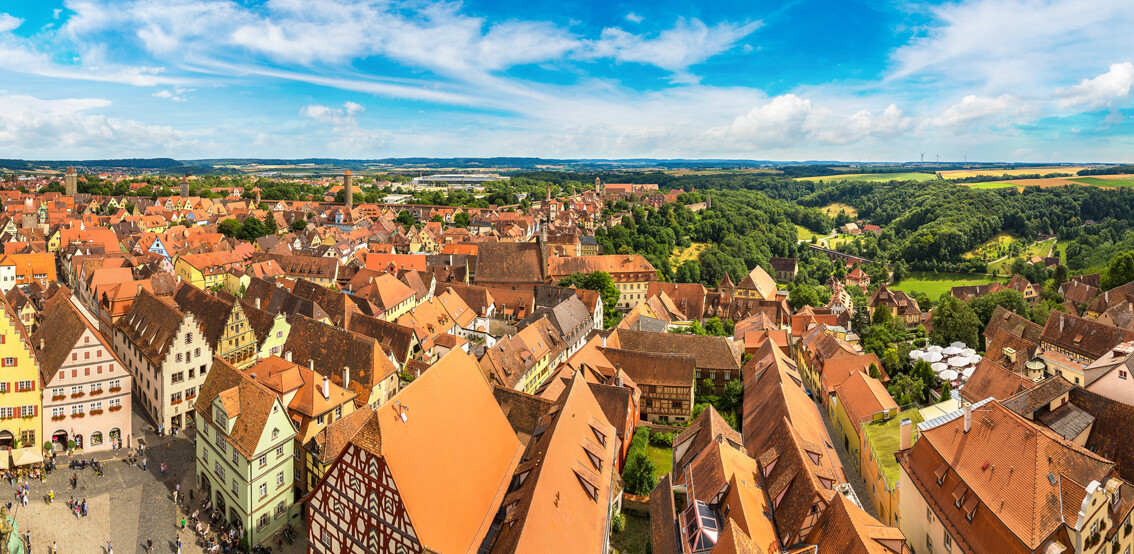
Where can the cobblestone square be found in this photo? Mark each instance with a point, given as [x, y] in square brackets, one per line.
[126, 505]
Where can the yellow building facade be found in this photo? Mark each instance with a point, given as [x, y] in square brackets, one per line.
[21, 394]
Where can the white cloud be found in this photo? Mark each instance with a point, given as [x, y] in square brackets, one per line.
[1005, 46]
[30, 125]
[56, 13]
[177, 94]
[687, 43]
[347, 134]
[974, 109]
[9, 23]
[1103, 91]
[634, 18]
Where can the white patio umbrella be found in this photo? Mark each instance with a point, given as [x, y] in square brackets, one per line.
[948, 375]
[939, 367]
[968, 372]
[932, 357]
[916, 354]
[934, 348]
[958, 344]
[958, 361]
[967, 352]
[951, 351]
[975, 359]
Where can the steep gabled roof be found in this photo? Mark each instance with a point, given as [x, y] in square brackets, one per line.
[847, 529]
[212, 312]
[452, 493]
[255, 403]
[990, 380]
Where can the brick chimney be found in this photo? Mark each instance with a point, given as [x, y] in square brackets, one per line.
[968, 417]
[906, 433]
[346, 376]
[326, 388]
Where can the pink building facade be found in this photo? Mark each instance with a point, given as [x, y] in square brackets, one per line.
[86, 393]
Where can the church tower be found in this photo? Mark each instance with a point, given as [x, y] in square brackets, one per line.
[185, 187]
[71, 181]
[348, 185]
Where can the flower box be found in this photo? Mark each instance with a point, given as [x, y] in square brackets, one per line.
[58, 418]
[78, 415]
[96, 392]
[78, 395]
[115, 389]
[114, 408]
[95, 412]
[60, 397]
[176, 402]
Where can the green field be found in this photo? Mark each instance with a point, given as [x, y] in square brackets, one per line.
[681, 255]
[936, 284]
[1000, 185]
[1061, 247]
[805, 234]
[873, 177]
[992, 248]
[1104, 182]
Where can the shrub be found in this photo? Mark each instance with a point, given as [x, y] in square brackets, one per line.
[662, 439]
[619, 522]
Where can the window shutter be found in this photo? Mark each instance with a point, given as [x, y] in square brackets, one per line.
[34, 383]
[37, 410]
[17, 410]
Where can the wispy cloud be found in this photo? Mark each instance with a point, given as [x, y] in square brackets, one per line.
[32, 126]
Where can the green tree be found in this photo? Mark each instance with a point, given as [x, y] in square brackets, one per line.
[733, 397]
[461, 219]
[803, 295]
[230, 228]
[602, 282]
[1119, 271]
[954, 320]
[906, 388]
[713, 326]
[873, 371]
[883, 317]
[639, 475]
[252, 229]
[437, 219]
[1010, 300]
[298, 224]
[405, 218]
[270, 225]
[946, 394]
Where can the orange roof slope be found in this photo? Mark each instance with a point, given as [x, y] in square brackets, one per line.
[451, 458]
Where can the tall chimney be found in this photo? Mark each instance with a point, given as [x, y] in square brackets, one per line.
[968, 417]
[906, 433]
[348, 186]
[346, 376]
[326, 388]
[311, 365]
[287, 355]
[257, 303]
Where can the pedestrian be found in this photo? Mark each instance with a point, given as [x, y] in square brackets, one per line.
[84, 507]
[27, 537]
[54, 550]
[169, 443]
[143, 464]
[109, 548]
[149, 545]
[51, 497]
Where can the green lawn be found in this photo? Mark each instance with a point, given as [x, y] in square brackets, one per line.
[936, 284]
[805, 234]
[635, 538]
[1104, 182]
[875, 177]
[1061, 247]
[662, 458]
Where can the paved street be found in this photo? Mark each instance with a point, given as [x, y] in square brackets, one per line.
[126, 505]
[849, 467]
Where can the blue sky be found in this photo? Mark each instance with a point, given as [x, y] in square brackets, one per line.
[993, 80]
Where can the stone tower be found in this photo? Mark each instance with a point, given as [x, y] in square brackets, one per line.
[71, 181]
[600, 188]
[185, 187]
[348, 186]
